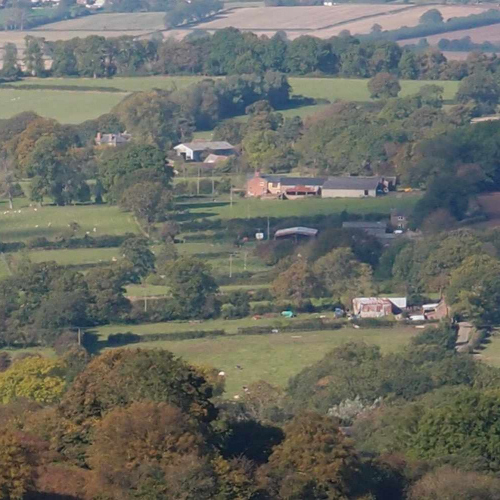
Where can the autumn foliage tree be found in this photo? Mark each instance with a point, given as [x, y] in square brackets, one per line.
[16, 471]
[314, 461]
[147, 440]
[118, 378]
[35, 378]
[297, 283]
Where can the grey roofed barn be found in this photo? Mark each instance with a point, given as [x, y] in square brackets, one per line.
[302, 181]
[364, 183]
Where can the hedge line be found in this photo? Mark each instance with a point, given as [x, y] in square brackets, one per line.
[78, 88]
[104, 241]
[487, 18]
[298, 326]
[132, 338]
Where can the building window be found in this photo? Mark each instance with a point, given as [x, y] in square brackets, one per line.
[274, 184]
[366, 192]
[400, 217]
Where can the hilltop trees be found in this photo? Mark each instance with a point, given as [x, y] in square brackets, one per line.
[432, 16]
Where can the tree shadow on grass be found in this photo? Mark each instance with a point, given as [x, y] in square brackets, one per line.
[95, 345]
[203, 204]
[189, 217]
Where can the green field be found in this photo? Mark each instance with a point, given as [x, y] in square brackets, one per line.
[274, 358]
[357, 90]
[69, 106]
[249, 208]
[50, 221]
[64, 106]
[277, 357]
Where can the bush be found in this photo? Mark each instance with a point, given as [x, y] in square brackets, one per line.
[296, 326]
[228, 311]
[132, 338]
[261, 308]
[261, 294]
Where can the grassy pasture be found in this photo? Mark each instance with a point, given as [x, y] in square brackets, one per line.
[51, 221]
[126, 84]
[69, 106]
[277, 357]
[64, 106]
[357, 89]
[249, 208]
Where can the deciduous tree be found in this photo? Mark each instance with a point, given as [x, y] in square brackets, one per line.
[384, 85]
[35, 378]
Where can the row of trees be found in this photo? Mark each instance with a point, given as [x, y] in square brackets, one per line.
[230, 51]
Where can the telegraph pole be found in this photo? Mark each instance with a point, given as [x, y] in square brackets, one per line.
[230, 265]
[268, 227]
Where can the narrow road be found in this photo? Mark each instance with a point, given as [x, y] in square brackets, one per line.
[464, 332]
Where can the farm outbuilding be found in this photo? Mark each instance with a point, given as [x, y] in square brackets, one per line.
[192, 151]
[373, 228]
[296, 233]
[378, 307]
[113, 140]
[352, 187]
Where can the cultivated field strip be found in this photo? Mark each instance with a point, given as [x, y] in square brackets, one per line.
[396, 20]
[295, 18]
[477, 35]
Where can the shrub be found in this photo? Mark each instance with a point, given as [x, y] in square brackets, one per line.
[261, 308]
